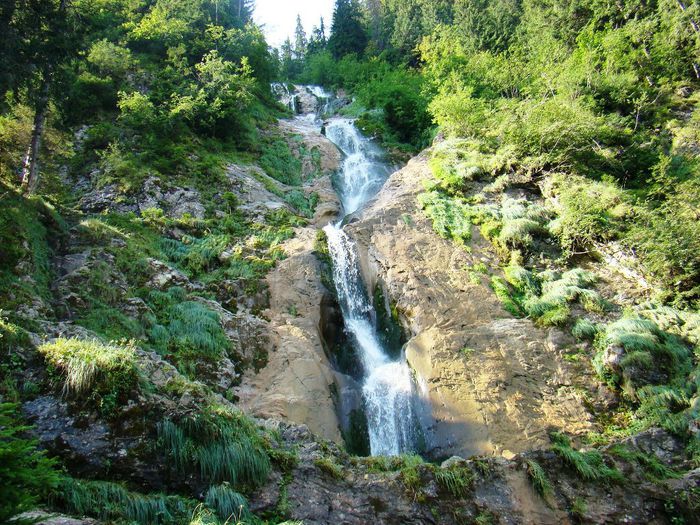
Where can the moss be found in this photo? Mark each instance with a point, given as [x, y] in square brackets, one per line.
[26, 228]
[388, 322]
[329, 467]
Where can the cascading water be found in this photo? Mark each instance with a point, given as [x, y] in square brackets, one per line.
[388, 388]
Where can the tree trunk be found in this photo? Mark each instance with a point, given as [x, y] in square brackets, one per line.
[30, 167]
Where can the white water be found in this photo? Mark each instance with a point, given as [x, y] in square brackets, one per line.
[388, 389]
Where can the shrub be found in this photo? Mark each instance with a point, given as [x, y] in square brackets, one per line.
[589, 212]
[106, 374]
[26, 474]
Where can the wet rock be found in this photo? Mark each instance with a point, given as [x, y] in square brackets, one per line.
[296, 383]
[491, 383]
[40, 517]
[84, 446]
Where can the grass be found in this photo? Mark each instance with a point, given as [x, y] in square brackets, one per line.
[451, 217]
[651, 356]
[589, 465]
[187, 330]
[584, 330]
[111, 502]
[104, 374]
[279, 163]
[653, 469]
[538, 478]
[226, 502]
[546, 297]
[457, 480]
[219, 444]
[330, 467]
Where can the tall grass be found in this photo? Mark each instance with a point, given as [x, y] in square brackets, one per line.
[538, 478]
[226, 502]
[91, 367]
[451, 217]
[111, 501]
[221, 446]
[589, 465]
[456, 480]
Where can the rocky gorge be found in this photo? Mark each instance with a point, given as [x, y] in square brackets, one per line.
[489, 388]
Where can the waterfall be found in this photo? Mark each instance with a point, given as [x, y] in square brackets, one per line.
[388, 388]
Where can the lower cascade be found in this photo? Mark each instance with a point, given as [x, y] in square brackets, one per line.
[388, 387]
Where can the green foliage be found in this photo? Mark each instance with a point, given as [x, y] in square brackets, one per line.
[589, 465]
[227, 503]
[653, 468]
[110, 501]
[590, 212]
[584, 329]
[347, 32]
[538, 478]
[26, 474]
[279, 163]
[330, 467]
[105, 375]
[187, 330]
[452, 218]
[650, 355]
[219, 444]
[456, 480]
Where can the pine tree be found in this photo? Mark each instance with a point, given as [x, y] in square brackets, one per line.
[300, 42]
[348, 34]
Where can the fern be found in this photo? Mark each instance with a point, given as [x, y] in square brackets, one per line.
[539, 478]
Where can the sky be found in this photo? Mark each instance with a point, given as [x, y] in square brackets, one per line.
[279, 17]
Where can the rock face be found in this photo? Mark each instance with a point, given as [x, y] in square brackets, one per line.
[494, 384]
[296, 383]
[298, 380]
[326, 486]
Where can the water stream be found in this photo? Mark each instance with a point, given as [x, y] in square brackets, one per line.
[388, 387]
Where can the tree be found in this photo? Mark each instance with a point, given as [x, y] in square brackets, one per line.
[50, 50]
[317, 41]
[26, 474]
[300, 41]
[348, 34]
